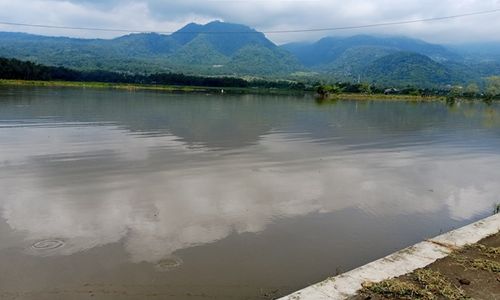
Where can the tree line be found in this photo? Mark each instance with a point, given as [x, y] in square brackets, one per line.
[27, 70]
[490, 91]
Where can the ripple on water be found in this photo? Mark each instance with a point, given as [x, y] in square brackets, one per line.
[48, 244]
[168, 264]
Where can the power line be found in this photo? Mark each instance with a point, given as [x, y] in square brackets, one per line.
[74, 28]
[256, 32]
[388, 23]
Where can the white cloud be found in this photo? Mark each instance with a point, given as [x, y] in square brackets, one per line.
[157, 15]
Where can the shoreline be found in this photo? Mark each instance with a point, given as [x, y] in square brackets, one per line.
[148, 87]
[395, 97]
[231, 91]
[400, 263]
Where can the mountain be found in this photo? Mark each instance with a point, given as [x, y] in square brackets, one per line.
[484, 52]
[260, 60]
[213, 48]
[398, 60]
[352, 62]
[219, 48]
[143, 44]
[406, 68]
[128, 53]
[328, 50]
[228, 38]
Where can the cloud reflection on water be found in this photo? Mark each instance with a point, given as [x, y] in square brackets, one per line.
[159, 195]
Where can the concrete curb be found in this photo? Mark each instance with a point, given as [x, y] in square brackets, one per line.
[399, 263]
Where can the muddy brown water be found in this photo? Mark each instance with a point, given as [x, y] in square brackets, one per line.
[134, 195]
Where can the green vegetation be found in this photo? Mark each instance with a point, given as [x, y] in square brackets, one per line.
[151, 87]
[490, 252]
[263, 61]
[468, 273]
[480, 264]
[493, 86]
[477, 266]
[489, 262]
[383, 61]
[472, 90]
[366, 91]
[106, 85]
[394, 288]
[451, 94]
[18, 70]
[394, 61]
[331, 50]
[404, 68]
[183, 51]
[437, 284]
[423, 284]
[28, 73]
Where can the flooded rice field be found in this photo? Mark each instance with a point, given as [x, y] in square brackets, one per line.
[143, 195]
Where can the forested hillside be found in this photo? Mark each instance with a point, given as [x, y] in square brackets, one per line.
[225, 49]
[228, 49]
[25, 70]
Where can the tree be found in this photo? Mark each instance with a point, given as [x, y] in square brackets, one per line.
[323, 90]
[456, 91]
[472, 90]
[365, 88]
[493, 86]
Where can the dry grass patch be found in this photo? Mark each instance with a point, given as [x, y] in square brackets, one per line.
[491, 252]
[479, 264]
[423, 284]
[396, 288]
[438, 285]
[489, 264]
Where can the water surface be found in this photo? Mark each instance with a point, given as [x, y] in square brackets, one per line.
[134, 195]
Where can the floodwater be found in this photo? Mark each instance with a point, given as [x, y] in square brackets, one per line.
[143, 195]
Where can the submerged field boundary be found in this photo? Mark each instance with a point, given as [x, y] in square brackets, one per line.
[213, 90]
[399, 263]
[149, 87]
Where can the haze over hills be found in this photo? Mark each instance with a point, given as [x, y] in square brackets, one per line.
[233, 49]
[219, 48]
[329, 49]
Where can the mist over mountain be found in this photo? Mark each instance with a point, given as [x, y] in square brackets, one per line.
[484, 52]
[214, 48]
[220, 48]
[329, 49]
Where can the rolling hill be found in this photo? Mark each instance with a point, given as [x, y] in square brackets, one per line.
[397, 60]
[328, 50]
[219, 48]
[407, 68]
[191, 49]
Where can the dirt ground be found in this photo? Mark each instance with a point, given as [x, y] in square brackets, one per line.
[469, 273]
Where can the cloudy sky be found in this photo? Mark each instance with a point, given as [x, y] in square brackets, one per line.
[263, 15]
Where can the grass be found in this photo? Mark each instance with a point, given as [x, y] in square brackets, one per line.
[491, 252]
[13, 82]
[484, 264]
[396, 288]
[437, 284]
[205, 89]
[152, 87]
[425, 284]
[351, 96]
[479, 264]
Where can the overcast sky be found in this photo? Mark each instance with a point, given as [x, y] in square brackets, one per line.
[263, 15]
